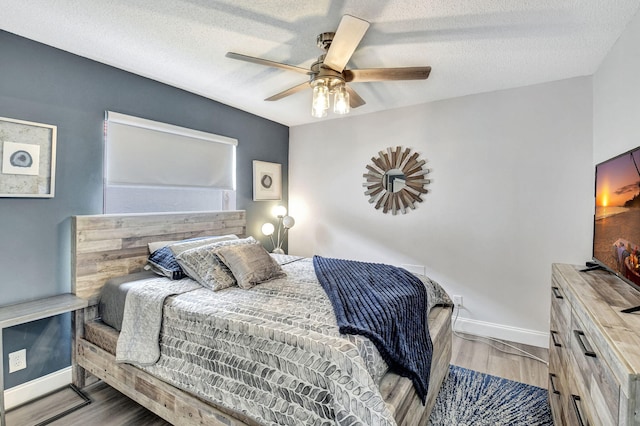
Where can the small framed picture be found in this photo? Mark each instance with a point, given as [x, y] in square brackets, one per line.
[27, 159]
[267, 181]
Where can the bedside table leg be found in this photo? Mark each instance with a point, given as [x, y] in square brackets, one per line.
[3, 421]
[77, 329]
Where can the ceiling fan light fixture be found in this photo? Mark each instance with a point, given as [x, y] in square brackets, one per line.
[328, 75]
[320, 101]
[341, 100]
[324, 88]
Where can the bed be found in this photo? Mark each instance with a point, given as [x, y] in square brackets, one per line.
[109, 246]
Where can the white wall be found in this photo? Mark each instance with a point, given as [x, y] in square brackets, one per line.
[511, 192]
[616, 97]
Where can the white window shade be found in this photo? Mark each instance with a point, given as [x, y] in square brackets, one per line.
[156, 167]
[144, 152]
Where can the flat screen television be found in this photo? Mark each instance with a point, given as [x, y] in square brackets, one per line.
[616, 229]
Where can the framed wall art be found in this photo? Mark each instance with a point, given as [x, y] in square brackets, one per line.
[267, 181]
[27, 159]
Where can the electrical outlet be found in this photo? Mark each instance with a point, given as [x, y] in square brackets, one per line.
[457, 300]
[17, 360]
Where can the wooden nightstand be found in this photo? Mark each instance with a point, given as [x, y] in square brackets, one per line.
[21, 313]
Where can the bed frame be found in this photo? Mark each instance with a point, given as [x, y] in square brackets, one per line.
[106, 246]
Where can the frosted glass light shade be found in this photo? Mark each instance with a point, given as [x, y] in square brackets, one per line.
[268, 228]
[279, 211]
[341, 101]
[320, 102]
[318, 113]
[288, 222]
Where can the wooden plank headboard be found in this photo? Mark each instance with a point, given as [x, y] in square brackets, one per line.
[106, 246]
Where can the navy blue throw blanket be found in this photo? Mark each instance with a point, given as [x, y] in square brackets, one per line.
[386, 304]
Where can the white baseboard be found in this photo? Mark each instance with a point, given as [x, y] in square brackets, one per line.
[25, 392]
[502, 332]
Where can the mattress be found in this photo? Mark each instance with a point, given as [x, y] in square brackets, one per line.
[114, 294]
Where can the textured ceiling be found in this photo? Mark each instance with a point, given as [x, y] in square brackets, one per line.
[472, 46]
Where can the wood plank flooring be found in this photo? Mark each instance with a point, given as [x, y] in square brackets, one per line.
[109, 407]
[478, 355]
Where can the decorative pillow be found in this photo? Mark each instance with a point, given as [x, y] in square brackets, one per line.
[250, 264]
[185, 245]
[203, 265]
[156, 245]
[162, 260]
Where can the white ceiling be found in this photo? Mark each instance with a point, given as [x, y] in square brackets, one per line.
[472, 46]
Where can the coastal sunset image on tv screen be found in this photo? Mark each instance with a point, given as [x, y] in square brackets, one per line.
[616, 236]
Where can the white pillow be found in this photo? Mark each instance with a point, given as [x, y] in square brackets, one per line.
[184, 245]
[156, 245]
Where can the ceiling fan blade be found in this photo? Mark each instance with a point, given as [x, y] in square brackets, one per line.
[354, 99]
[289, 91]
[347, 37]
[266, 62]
[384, 74]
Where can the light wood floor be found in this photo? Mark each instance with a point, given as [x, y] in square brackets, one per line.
[480, 356]
[109, 407]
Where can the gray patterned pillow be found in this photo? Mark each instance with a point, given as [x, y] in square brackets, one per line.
[162, 259]
[184, 245]
[250, 264]
[203, 265]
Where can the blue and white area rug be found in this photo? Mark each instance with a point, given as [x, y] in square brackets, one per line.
[470, 398]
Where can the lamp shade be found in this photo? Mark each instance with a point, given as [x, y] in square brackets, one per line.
[268, 228]
[341, 101]
[320, 100]
[279, 211]
[288, 222]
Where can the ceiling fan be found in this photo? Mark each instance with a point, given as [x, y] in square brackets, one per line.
[328, 74]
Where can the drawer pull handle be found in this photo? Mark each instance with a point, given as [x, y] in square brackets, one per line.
[574, 402]
[584, 344]
[553, 338]
[553, 385]
[556, 293]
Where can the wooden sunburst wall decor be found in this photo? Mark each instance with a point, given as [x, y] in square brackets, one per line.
[396, 180]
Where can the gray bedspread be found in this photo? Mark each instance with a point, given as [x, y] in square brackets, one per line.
[138, 342]
[273, 352]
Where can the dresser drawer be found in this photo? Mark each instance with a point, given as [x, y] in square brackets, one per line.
[558, 330]
[556, 354]
[597, 387]
[558, 348]
[556, 394]
[560, 303]
[575, 414]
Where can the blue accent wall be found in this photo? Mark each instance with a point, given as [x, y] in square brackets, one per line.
[46, 85]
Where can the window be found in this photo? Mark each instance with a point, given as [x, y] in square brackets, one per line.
[153, 166]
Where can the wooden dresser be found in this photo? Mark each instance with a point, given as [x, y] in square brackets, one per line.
[594, 349]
